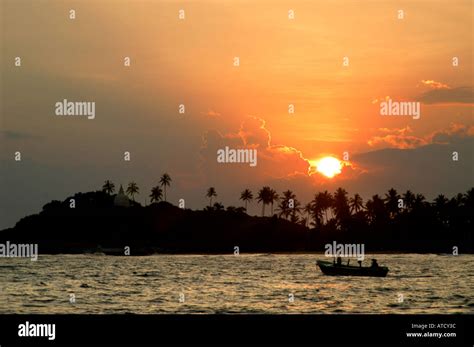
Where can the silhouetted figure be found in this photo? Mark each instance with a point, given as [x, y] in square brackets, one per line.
[374, 263]
[339, 261]
[360, 263]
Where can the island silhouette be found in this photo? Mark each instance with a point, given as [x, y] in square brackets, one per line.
[109, 222]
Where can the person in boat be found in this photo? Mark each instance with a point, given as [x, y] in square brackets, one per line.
[374, 263]
[360, 263]
[339, 261]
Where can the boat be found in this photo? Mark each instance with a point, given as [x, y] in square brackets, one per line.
[332, 269]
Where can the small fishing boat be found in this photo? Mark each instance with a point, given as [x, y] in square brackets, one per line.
[333, 269]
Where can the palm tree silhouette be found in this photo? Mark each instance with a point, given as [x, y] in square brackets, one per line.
[408, 199]
[440, 201]
[132, 189]
[211, 192]
[308, 208]
[316, 210]
[273, 196]
[356, 203]
[218, 206]
[322, 203]
[391, 202]
[341, 208]
[284, 206]
[165, 181]
[108, 187]
[264, 196]
[420, 201]
[469, 199]
[246, 196]
[294, 211]
[440, 205]
[340, 203]
[376, 211]
[156, 194]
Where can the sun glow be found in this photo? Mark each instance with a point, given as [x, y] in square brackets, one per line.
[328, 166]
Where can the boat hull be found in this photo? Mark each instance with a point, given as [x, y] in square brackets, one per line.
[330, 269]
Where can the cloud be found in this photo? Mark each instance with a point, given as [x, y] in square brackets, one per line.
[460, 95]
[279, 166]
[253, 132]
[428, 169]
[274, 160]
[435, 85]
[397, 138]
[401, 138]
[453, 134]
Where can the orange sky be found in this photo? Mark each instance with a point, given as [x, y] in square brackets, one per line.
[191, 62]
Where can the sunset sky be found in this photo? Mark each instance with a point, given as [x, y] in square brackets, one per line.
[282, 61]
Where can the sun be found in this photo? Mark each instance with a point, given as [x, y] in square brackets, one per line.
[328, 166]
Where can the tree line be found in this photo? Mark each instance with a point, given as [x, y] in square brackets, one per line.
[338, 211]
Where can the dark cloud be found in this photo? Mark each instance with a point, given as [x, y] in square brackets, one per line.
[402, 138]
[460, 95]
[396, 138]
[453, 134]
[428, 169]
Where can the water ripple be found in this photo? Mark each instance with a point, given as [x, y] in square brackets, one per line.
[259, 283]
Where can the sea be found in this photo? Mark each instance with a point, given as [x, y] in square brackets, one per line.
[233, 284]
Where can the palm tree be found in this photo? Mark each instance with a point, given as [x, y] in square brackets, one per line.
[323, 202]
[356, 203]
[440, 205]
[165, 181]
[108, 187]
[317, 210]
[263, 196]
[132, 189]
[284, 206]
[294, 218]
[273, 196]
[295, 211]
[469, 199]
[156, 194]
[409, 199]
[391, 202]
[218, 206]
[283, 209]
[341, 207]
[376, 209]
[419, 202]
[211, 192]
[440, 201]
[246, 196]
[340, 203]
[308, 208]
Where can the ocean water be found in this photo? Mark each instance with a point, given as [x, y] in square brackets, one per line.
[256, 283]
